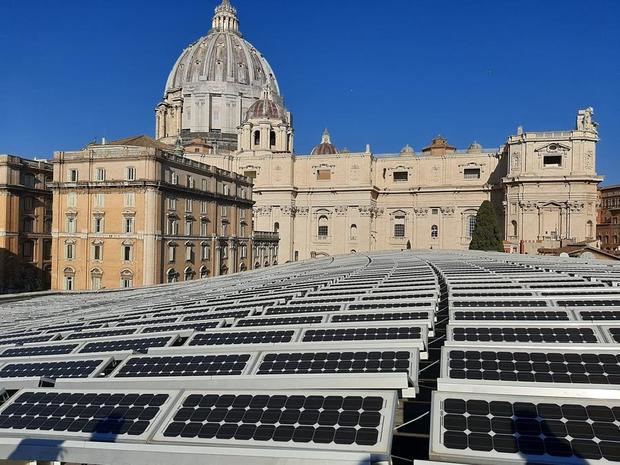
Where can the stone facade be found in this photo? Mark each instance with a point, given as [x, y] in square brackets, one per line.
[543, 184]
[134, 212]
[25, 224]
[608, 227]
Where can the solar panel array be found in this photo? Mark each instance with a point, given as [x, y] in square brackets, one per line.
[396, 357]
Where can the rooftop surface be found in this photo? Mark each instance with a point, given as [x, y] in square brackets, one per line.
[397, 357]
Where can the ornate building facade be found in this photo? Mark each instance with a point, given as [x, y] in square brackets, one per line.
[608, 227]
[25, 224]
[133, 213]
[543, 184]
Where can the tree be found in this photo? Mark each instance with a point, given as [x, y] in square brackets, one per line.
[486, 234]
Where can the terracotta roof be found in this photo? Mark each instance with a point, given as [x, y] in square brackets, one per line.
[575, 250]
[142, 141]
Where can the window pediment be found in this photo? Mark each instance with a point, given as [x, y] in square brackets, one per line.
[553, 147]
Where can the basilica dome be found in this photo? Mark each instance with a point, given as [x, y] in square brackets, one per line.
[266, 108]
[213, 84]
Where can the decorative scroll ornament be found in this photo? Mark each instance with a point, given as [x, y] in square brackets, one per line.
[447, 211]
[420, 211]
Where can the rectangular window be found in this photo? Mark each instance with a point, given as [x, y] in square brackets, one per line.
[471, 173]
[324, 175]
[28, 250]
[72, 199]
[189, 254]
[242, 230]
[100, 174]
[224, 229]
[242, 213]
[172, 203]
[129, 225]
[130, 199]
[130, 173]
[73, 175]
[97, 252]
[126, 283]
[250, 174]
[127, 253]
[171, 253]
[226, 189]
[190, 182]
[204, 185]
[244, 251]
[204, 228]
[205, 252]
[204, 206]
[70, 251]
[98, 225]
[173, 227]
[70, 225]
[400, 176]
[399, 226]
[189, 205]
[224, 210]
[174, 178]
[99, 200]
[323, 231]
[47, 249]
[552, 161]
[188, 228]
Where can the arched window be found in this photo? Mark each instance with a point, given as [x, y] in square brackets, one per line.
[589, 229]
[515, 228]
[242, 267]
[323, 229]
[272, 139]
[276, 226]
[204, 272]
[256, 137]
[69, 274]
[188, 274]
[471, 225]
[171, 276]
[126, 279]
[434, 231]
[353, 232]
[96, 276]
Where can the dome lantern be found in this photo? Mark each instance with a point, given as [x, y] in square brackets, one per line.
[225, 18]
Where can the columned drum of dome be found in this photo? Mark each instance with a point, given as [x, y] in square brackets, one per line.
[213, 84]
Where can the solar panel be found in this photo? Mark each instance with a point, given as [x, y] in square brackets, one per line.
[183, 365]
[53, 369]
[541, 365]
[377, 361]
[493, 428]
[100, 333]
[135, 344]
[510, 315]
[524, 334]
[94, 415]
[198, 326]
[337, 420]
[382, 316]
[363, 334]
[295, 320]
[39, 351]
[242, 337]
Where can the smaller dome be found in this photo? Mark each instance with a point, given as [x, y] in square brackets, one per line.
[407, 150]
[325, 147]
[266, 107]
[475, 147]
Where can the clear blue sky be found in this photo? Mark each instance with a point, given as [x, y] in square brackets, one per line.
[386, 73]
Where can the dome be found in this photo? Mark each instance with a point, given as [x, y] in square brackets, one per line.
[213, 84]
[475, 147]
[223, 55]
[266, 108]
[407, 150]
[325, 147]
